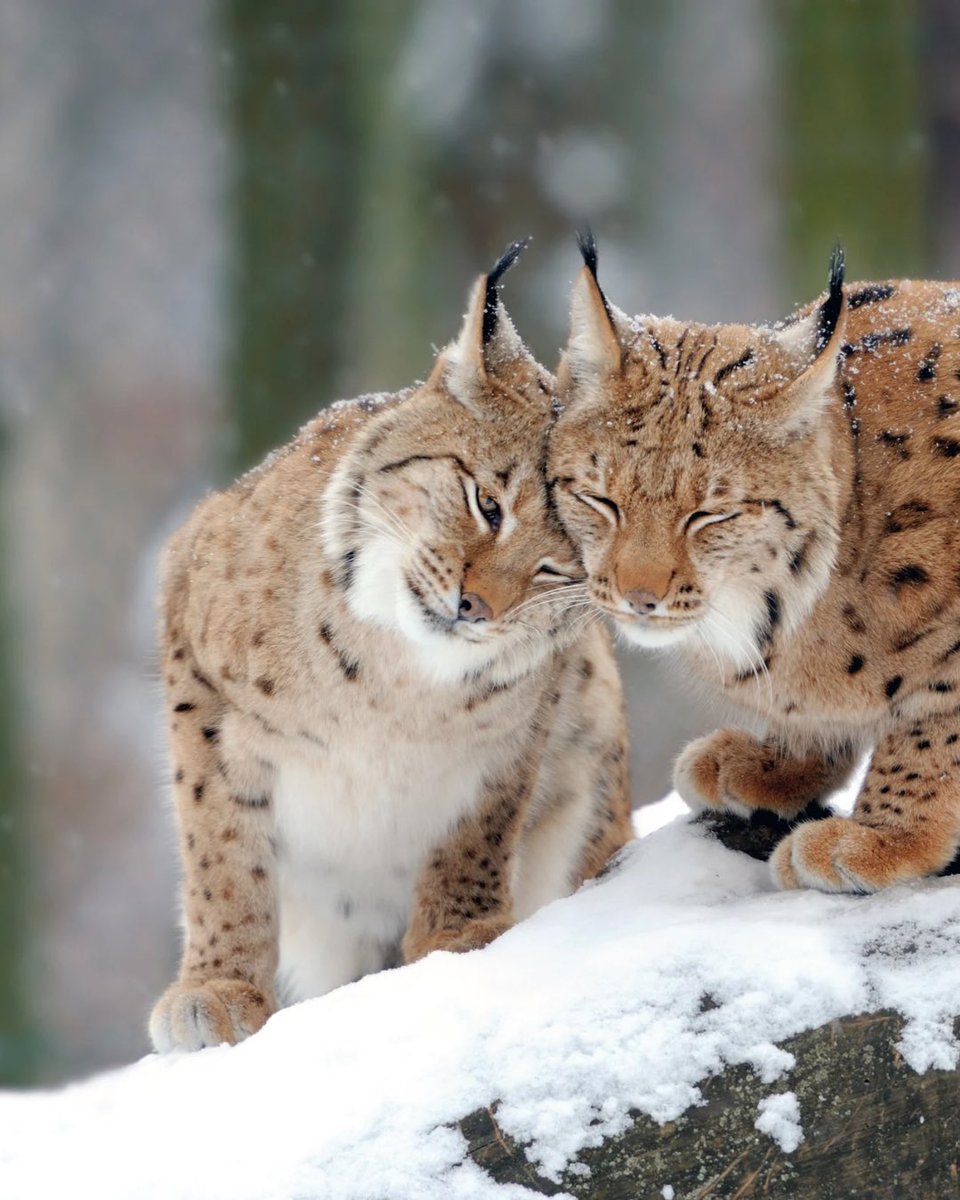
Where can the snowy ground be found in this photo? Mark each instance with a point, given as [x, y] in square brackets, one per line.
[589, 1009]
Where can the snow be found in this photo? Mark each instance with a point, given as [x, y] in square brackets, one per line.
[681, 961]
[780, 1118]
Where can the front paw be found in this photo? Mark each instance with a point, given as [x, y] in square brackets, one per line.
[700, 774]
[840, 855]
[731, 771]
[192, 1016]
[473, 936]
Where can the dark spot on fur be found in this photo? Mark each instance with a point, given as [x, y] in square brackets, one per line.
[907, 516]
[912, 574]
[211, 733]
[870, 295]
[349, 666]
[251, 801]
[184, 706]
[855, 664]
[745, 360]
[873, 341]
[892, 686]
[928, 367]
[906, 640]
[799, 557]
[948, 447]
[771, 619]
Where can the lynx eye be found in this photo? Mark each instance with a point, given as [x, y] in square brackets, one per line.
[490, 509]
[601, 504]
[549, 572]
[702, 518]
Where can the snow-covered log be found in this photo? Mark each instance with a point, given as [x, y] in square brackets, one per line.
[678, 1028]
[872, 1127]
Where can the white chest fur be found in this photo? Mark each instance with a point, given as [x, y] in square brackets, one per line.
[353, 829]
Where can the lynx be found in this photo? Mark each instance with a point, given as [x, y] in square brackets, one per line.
[780, 504]
[394, 725]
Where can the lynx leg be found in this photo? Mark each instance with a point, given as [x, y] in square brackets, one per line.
[463, 898]
[225, 988]
[905, 824]
[581, 810]
[731, 770]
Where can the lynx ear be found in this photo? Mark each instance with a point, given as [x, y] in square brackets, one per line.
[819, 337]
[592, 356]
[486, 337]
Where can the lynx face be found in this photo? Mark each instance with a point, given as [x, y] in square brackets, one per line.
[691, 470]
[439, 520]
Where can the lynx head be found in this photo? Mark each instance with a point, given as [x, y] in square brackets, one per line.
[438, 519]
[691, 465]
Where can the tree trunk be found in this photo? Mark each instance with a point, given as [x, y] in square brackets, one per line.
[291, 108]
[854, 161]
[873, 1129]
[939, 64]
[18, 1045]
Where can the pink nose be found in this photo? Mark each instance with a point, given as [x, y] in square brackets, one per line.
[473, 608]
[642, 600]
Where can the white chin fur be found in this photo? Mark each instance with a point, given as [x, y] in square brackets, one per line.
[652, 637]
[380, 596]
[730, 627]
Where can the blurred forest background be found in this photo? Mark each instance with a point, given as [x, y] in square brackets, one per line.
[217, 217]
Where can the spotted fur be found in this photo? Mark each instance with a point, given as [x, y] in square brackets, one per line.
[394, 726]
[780, 504]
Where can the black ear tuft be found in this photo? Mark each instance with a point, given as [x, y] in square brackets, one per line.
[496, 272]
[588, 248]
[829, 312]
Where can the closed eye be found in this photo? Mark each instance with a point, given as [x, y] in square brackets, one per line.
[701, 519]
[601, 504]
[548, 572]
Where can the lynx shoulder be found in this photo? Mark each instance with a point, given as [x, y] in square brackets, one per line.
[393, 727]
[779, 504]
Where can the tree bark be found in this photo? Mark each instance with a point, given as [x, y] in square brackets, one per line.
[854, 163]
[873, 1129]
[18, 1043]
[292, 111]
